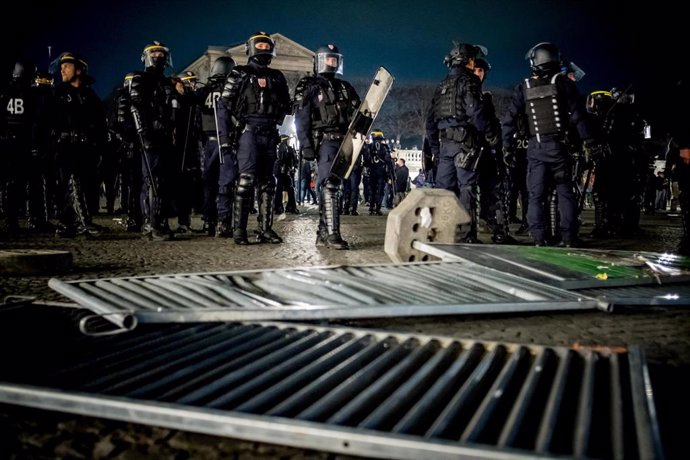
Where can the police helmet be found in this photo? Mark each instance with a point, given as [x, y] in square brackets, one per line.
[323, 60]
[481, 63]
[377, 134]
[156, 60]
[188, 78]
[461, 53]
[260, 47]
[23, 70]
[69, 58]
[599, 102]
[222, 66]
[544, 58]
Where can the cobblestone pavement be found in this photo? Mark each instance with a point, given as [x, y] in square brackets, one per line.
[664, 333]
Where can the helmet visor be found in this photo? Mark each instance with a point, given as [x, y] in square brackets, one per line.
[260, 44]
[156, 56]
[329, 63]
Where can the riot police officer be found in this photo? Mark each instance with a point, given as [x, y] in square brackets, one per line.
[219, 174]
[456, 120]
[377, 157]
[154, 106]
[620, 173]
[254, 101]
[77, 120]
[17, 119]
[324, 104]
[678, 156]
[552, 103]
[493, 178]
[187, 171]
[131, 174]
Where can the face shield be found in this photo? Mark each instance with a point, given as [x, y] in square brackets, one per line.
[156, 55]
[599, 102]
[329, 63]
[260, 45]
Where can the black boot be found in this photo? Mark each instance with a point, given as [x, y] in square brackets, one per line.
[331, 217]
[265, 217]
[240, 214]
[601, 229]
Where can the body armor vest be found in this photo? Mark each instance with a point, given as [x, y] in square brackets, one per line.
[545, 109]
[448, 99]
[18, 108]
[210, 94]
[158, 98]
[336, 104]
[379, 152]
[259, 95]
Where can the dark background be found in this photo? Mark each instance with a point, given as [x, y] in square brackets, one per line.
[615, 43]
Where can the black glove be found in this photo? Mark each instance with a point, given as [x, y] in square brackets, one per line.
[308, 153]
[493, 140]
[509, 157]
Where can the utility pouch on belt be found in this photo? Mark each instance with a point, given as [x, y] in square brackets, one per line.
[468, 157]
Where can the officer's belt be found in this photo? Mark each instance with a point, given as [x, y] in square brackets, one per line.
[553, 137]
[458, 134]
[333, 137]
[260, 129]
[73, 136]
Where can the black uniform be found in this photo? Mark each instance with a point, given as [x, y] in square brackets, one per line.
[21, 150]
[377, 158]
[254, 101]
[552, 103]
[187, 156]
[78, 126]
[620, 173]
[154, 105]
[323, 106]
[456, 121]
[131, 175]
[678, 156]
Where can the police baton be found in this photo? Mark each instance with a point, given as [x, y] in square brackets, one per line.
[299, 177]
[215, 117]
[186, 137]
[140, 129]
[583, 195]
[145, 154]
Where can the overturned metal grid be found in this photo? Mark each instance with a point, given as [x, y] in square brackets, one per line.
[672, 288]
[359, 392]
[666, 294]
[319, 293]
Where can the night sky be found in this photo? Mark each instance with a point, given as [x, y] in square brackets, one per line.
[613, 46]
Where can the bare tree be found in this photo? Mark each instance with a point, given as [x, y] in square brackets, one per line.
[404, 113]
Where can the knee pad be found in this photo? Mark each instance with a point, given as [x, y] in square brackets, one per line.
[245, 186]
[268, 185]
[332, 185]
